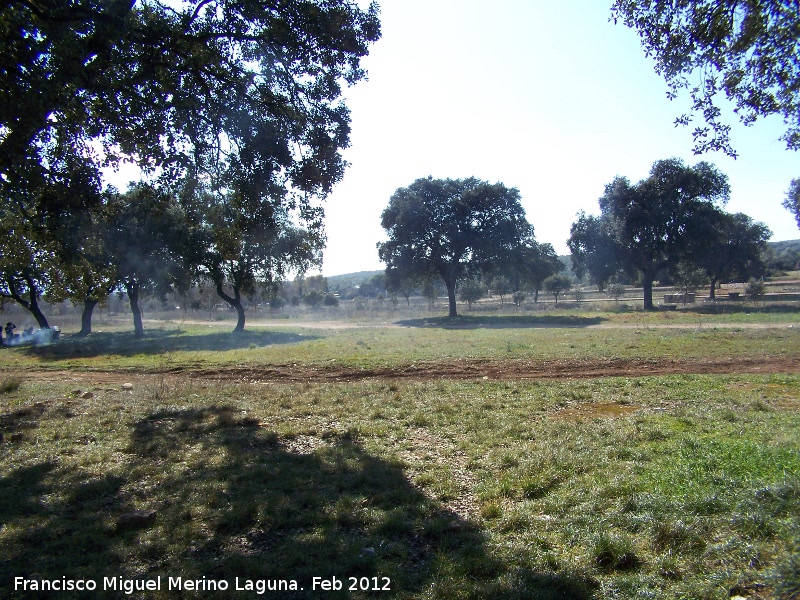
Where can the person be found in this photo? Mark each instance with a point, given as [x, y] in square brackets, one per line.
[10, 327]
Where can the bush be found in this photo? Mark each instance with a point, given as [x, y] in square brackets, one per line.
[10, 385]
[558, 284]
[330, 300]
[471, 291]
[754, 289]
[313, 298]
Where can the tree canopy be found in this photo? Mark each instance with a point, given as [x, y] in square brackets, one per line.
[723, 245]
[451, 228]
[187, 81]
[746, 51]
[238, 100]
[647, 224]
[792, 200]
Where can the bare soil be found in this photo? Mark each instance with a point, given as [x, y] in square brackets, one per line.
[491, 369]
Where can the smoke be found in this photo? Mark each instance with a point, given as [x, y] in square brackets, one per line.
[40, 337]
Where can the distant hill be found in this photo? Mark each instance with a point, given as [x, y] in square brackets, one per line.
[780, 246]
[350, 279]
[783, 255]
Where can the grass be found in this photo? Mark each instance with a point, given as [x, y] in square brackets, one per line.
[422, 340]
[449, 489]
[9, 385]
[680, 486]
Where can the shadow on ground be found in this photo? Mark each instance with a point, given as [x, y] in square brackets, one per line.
[502, 322]
[731, 308]
[161, 342]
[232, 500]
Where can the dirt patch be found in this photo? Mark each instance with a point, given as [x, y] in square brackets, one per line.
[508, 369]
[490, 369]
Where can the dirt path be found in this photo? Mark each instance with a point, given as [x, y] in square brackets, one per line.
[491, 369]
[341, 325]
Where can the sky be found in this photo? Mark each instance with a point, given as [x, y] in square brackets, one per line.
[548, 97]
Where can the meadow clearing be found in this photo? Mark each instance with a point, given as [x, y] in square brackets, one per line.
[574, 453]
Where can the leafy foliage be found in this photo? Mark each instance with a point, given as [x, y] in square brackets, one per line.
[792, 200]
[451, 229]
[726, 246]
[647, 225]
[592, 250]
[747, 51]
[471, 291]
[233, 102]
[558, 284]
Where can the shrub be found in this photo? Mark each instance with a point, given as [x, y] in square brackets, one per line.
[754, 289]
[10, 385]
[330, 300]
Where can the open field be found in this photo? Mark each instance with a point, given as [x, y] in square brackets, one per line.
[562, 454]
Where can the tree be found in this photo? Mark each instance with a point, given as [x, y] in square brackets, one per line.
[747, 51]
[46, 228]
[527, 266]
[330, 301]
[755, 289]
[501, 286]
[242, 96]
[726, 245]
[558, 284]
[451, 229]
[592, 250]
[688, 279]
[26, 266]
[397, 283]
[251, 242]
[430, 292]
[648, 222]
[541, 263]
[147, 227]
[159, 79]
[471, 291]
[792, 200]
[313, 298]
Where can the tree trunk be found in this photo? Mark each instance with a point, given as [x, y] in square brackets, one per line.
[86, 317]
[32, 303]
[37, 313]
[235, 302]
[451, 296]
[536, 295]
[132, 288]
[647, 285]
[712, 295]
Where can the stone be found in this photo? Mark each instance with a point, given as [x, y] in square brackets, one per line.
[137, 519]
[127, 387]
[87, 395]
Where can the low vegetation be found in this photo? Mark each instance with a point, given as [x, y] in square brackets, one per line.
[666, 486]
[679, 486]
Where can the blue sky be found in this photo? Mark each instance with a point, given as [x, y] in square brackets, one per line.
[547, 97]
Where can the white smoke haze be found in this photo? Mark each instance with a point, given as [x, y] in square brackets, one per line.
[40, 337]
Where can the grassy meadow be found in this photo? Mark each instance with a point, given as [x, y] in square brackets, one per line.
[653, 486]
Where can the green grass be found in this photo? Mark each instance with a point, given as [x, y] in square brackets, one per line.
[659, 487]
[551, 337]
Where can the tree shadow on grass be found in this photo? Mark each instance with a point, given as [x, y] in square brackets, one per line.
[502, 322]
[732, 308]
[161, 342]
[232, 499]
